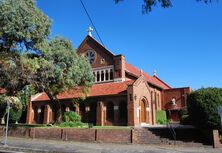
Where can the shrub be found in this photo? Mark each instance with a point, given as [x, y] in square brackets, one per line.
[185, 120]
[15, 108]
[71, 119]
[161, 117]
[2, 106]
[184, 117]
[72, 124]
[203, 105]
[14, 115]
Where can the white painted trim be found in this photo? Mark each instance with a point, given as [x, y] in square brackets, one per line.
[104, 67]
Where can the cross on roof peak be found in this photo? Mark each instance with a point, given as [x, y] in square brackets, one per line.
[90, 30]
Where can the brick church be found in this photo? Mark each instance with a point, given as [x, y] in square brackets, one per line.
[121, 95]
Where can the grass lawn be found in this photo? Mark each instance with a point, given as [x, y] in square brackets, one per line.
[56, 126]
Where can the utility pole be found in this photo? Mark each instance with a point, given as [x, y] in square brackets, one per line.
[6, 128]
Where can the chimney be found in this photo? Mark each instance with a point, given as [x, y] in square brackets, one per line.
[119, 66]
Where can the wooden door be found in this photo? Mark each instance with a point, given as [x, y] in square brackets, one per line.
[143, 111]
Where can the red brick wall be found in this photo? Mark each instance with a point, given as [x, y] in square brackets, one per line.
[178, 93]
[48, 133]
[216, 140]
[136, 136]
[113, 136]
[19, 132]
[100, 53]
[79, 134]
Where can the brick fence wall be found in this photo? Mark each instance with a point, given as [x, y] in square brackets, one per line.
[135, 136]
[216, 140]
[113, 136]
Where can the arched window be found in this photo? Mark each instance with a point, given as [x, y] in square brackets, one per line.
[98, 76]
[111, 74]
[102, 76]
[107, 75]
[110, 111]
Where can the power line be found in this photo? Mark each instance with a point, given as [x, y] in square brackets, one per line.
[90, 19]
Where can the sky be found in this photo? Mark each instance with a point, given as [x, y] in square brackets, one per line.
[182, 43]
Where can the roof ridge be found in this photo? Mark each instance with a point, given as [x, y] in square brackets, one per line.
[137, 72]
[161, 81]
[88, 36]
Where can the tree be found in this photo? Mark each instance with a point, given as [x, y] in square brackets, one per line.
[58, 69]
[203, 105]
[149, 4]
[22, 27]
[27, 57]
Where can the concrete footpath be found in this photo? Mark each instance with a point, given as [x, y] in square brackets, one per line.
[21, 145]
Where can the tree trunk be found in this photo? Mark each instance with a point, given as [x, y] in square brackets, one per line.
[57, 108]
[58, 111]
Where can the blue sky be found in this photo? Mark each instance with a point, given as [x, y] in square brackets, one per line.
[183, 43]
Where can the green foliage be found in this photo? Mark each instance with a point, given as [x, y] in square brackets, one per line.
[161, 117]
[184, 117]
[185, 120]
[59, 68]
[71, 119]
[15, 108]
[22, 25]
[72, 124]
[28, 57]
[203, 105]
[26, 94]
[22, 28]
[14, 115]
[148, 5]
[2, 106]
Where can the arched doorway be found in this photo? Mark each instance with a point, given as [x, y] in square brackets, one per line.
[110, 112]
[143, 111]
[35, 119]
[92, 118]
[123, 112]
[82, 109]
[41, 115]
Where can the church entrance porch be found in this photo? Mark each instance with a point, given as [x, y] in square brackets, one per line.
[144, 112]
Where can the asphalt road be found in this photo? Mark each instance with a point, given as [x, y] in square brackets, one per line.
[43, 146]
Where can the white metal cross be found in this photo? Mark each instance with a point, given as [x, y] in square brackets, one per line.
[90, 30]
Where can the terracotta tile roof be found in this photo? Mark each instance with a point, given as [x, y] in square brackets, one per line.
[96, 90]
[153, 80]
